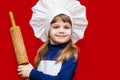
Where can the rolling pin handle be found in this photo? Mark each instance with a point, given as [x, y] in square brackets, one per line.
[12, 18]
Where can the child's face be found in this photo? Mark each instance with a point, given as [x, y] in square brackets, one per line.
[60, 32]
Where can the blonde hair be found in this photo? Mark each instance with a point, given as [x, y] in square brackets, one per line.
[66, 53]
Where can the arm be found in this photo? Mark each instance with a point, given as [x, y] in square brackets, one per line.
[66, 73]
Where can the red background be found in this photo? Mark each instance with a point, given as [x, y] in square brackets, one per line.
[100, 48]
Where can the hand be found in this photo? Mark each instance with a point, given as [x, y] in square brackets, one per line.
[24, 70]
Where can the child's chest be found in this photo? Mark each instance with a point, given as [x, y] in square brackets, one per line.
[49, 67]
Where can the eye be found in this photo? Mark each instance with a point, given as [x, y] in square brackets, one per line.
[55, 27]
[67, 27]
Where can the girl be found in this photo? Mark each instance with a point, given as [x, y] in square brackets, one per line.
[57, 58]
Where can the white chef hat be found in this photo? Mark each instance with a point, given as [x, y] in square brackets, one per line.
[45, 10]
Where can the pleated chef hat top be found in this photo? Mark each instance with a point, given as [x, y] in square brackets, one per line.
[45, 10]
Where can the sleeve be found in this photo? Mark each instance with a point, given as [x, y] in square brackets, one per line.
[66, 73]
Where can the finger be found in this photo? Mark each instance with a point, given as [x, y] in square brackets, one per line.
[20, 66]
[20, 73]
[19, 70]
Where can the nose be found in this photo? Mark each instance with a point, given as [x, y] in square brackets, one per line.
[61, 30]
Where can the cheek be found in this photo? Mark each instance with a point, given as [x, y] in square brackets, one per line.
[52, 32]
[69, 32]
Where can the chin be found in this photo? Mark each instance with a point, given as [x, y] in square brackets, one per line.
[61, 42]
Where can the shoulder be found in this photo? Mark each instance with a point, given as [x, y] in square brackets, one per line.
[71, 61]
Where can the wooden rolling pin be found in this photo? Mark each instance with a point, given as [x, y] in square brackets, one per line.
[18, 43]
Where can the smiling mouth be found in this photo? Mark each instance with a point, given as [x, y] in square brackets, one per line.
[61, 35]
